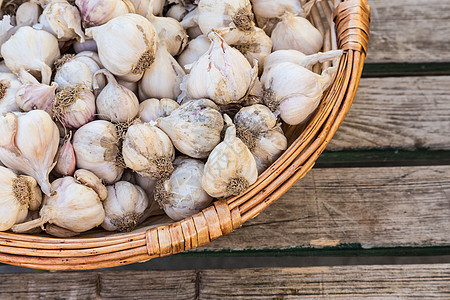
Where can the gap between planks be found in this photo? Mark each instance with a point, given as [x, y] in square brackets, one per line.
[381, 281]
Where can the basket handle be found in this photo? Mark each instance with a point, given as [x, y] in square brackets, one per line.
[352, 19]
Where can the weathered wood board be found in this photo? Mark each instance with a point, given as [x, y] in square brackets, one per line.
[398, 112]
[383, 281]
[409, 31]
[373, 207]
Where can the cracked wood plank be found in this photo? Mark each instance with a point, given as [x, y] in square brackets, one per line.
[349, 282]
[409, 31]
[398, 112]
[371, 207]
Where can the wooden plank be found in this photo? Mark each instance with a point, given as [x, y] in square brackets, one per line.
[99, 285]
[409, 31]
[370, 207]
[350, 282]
[398, 112]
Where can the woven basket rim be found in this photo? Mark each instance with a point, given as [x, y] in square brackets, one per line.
[352, 18]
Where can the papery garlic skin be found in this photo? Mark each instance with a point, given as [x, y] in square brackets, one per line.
[182, 196]
[294, 91]
[124, 207]
[9, 86]
[116, 103]
[6, 29]
[257, 127]
[65, 159]
[296, 33]
[99, 12]
[76, 70]
[126, 44]
[18, 194]
[74, 107]
[63, 20]
[276, 8]
[27, 14]
[28, 144]
[42, 51]
[163, 78]
[153, 109]
[34, 95]
[96, 146]
[190, 23]
[194, 128]
[216, 14]
[171, 33]
[194, 50]
[230, 168]
[222, 74]
[143, 7]
[148, 151]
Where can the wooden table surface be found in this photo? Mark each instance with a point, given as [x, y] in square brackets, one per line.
[381, 189]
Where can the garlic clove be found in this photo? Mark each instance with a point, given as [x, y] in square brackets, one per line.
[9, 87]
[181, 195]
[231, 167]
[65, 159]
[222, 74]
[115, 103]
[296, 33]
[62, 20]
[87, 45]
[153, 109]
[194, 50]
[163, 78]
[137, 39]
[148, 151]
[89, 179]
[96, 146]
[29, 145]
[177, 12]
[28, 13]
[194, 128]
[124, 207]
[42, 52]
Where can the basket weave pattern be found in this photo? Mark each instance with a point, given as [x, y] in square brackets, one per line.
[351, 19]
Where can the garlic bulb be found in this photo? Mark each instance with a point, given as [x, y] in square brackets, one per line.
[170, 32]
[99, 12]
[126, 44]
[257, 127]
[74, 70]
[74, 106]
[181, 195]
[222, 74]
[297, 57]
[62, 20]
[153, 109]
[276, 8]
[27, 14]
[294, 91]
[9, 86]
[96, 146]
[255, 45]
[18, 194]
[124, 206]
[28, 145]
[65, 159]
[194, 50]
[296, 33]
[163, 78]
[143, 6]
[41, 52]
[194, 128]
[116, 103]
[76, 205]
[230, 168]
[148, 151]
[87, 45]
[34, 95]
[216, 14]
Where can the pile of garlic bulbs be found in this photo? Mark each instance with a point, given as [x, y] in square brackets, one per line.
[108, 107]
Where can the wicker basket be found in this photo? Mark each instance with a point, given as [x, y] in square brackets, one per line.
[350, 32]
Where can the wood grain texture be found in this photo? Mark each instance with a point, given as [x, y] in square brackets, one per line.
[373, 207]
[352, 282]
[409, 31]
[398, 112]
